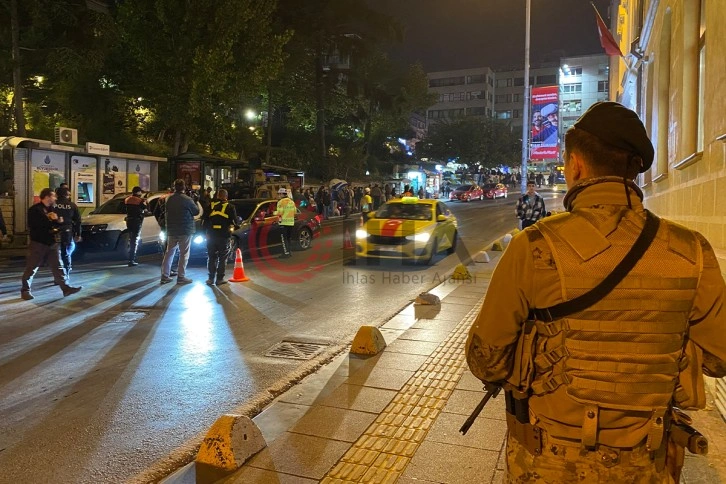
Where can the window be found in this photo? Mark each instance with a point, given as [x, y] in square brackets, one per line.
[515, 113]
[603, 86]
[477, 111]
[572, 105]
[516, 98]
[504, 82]
[569, 88]
[446, 81]
[500, 98]
[475, 79]
[701, 75]
[519, 81]
[504, 114]
[445, 113]
[572, 71]
[603, 70]
[475, 95]
[549, 79]
[452, 96]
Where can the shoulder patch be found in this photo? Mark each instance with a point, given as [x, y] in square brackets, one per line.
[682, 241]
[709, 256]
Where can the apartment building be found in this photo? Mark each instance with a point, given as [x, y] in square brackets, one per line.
[509, 91]
[461, 92]
[583, 81]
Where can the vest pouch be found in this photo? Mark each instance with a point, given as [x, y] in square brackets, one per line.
[523, 368]
[690, 390]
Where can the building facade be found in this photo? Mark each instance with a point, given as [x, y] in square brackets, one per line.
[583, 81]
[461, 92]
[509, 91]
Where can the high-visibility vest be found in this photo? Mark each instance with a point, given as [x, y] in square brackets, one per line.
[219, 218]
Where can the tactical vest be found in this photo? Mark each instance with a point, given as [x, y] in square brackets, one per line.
[219, 221]
[609, 373]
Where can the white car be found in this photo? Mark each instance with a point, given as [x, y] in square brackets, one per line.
[104, 229]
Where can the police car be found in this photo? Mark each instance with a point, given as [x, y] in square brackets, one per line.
[408, 229]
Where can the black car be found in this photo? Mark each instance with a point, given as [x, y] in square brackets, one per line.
[259, 233]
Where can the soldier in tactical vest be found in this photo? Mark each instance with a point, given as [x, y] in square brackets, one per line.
[219, 218]
[69, 226]
[593, 392]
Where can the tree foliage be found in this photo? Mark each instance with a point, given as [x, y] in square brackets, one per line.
[472, 140]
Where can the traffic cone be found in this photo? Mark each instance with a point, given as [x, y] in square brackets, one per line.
[347, 242]
[239, 269]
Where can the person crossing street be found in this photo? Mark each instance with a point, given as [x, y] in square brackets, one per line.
[135, 211]
[286, 210]
[43, 224]
[219, 216]
[69, 226]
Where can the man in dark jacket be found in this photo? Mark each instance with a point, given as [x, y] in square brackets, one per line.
[218, 218]
[135, 212]
[69, 225]
[180, 211]
[44, 227]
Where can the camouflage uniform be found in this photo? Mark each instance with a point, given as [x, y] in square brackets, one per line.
[664, 301]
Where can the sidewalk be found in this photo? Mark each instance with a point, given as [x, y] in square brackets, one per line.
[395, 417]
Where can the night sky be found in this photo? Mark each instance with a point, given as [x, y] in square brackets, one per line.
[453, 34]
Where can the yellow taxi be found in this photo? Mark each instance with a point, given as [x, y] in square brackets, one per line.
[408, 229]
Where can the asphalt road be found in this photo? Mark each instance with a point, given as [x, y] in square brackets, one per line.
[101, 386]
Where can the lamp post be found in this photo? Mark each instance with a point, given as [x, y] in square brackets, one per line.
[525, 112]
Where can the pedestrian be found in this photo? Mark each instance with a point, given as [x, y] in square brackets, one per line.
[590, 387]
[160, 216]
[286, 211]
[135, 212]
[530, 206]
[358, 196]
[219, 217]
[366, 204]
[319, 201]
[387, 192]
[69, 226]
[421, 193]
[326, 202]
[44, 228]
[180, 211]
[377, 195]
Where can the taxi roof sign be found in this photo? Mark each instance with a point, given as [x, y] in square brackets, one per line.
[409, 200]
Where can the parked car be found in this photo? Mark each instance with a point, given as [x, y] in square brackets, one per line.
[259, 233]
[494, 190]
[408, 229]
[466, 193]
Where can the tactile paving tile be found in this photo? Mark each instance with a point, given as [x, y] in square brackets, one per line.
[384, 450]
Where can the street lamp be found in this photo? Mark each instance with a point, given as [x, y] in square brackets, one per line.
[251, 115]
[526, 121]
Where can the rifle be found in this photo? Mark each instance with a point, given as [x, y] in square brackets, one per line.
[492, 392]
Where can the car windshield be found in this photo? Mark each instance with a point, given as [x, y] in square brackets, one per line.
[405, 211]
[245, 208]
[463, 188]
[113, 206]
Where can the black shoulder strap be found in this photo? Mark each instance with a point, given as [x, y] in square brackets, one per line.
[594, 295]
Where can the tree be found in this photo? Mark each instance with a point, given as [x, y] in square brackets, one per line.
[472, 140]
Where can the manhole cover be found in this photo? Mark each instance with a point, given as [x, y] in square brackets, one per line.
[294, 350]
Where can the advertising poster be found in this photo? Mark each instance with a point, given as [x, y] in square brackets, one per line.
[114, 177]
[191, 173]
[544, 138]
[139, 175]
[48, 169]
[83, 174]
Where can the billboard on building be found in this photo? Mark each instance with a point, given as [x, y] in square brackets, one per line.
[544, 137]
[49, 171]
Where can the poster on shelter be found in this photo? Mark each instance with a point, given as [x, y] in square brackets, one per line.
[544, 137]
[139, 175]
[114, 177]
[83, 174]
[191, 173]
[48, 171]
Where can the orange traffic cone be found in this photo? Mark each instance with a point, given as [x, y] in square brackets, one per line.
[347, 243]
[239, 269]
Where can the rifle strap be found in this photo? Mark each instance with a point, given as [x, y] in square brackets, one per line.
[584, 301]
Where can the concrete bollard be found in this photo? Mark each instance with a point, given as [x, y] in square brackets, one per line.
[506, 240]
[368, 341]
[497, 246]
[427, 298]
[461, 273]
[230, 441]
[482, 257]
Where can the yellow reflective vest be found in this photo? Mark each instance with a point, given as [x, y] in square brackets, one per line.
[286, 210]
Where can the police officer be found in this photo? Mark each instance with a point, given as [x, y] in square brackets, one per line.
[69, 226]
[286, 210]
[44, 228]
[135, 211]
[219, 218]
[589, 396]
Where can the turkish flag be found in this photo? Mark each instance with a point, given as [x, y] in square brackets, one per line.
[606, 38]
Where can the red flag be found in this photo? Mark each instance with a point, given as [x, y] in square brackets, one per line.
[606, 38]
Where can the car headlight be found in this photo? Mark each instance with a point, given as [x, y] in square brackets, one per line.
[162, 236]
[361, 234]
[422, 237]
[198, 239]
